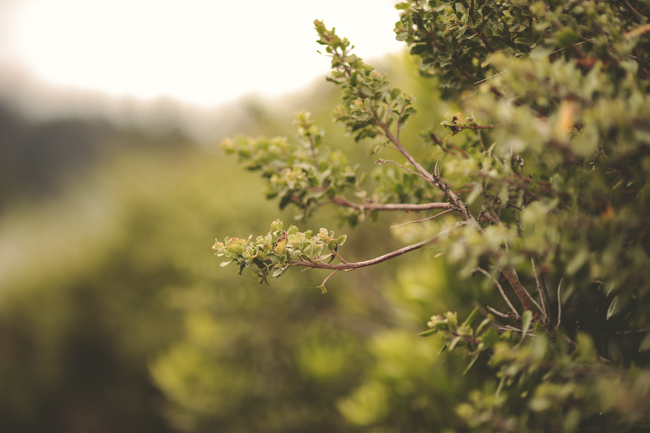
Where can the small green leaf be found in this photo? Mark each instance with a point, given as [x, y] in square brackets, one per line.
[490, 338]
[471, 317]
[471, 364]
[428, 332]
[483, 324]
[612, 307]
[453, 343]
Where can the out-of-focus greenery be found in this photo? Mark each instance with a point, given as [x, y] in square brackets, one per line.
[115, 316]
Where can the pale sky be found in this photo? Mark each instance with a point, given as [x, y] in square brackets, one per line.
[204, 52]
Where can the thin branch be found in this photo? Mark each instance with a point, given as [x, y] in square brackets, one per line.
[529, 295]
[559, 303]
[328, 277]
[376, 260]
[519, 289]
[336, 253]
[498, 313]
[402, 150]
[465, 154]
[487, 43]
[455, 200]
[463, 127]
[381, 161]
[512, 328]
[424, 219]
[632, 331]
[543, 295]
[486, 273]
[491, 76]
[634, 12]
[638, 31]
[391, 206]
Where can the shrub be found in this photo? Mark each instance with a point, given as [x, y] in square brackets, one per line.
[538, 184]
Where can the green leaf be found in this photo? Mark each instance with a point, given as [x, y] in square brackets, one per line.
[471, 364]
[278, 271]
[471, 317]
[484, 323]
[612, 307]
[428, 332]
[454, 342]
[490, 338]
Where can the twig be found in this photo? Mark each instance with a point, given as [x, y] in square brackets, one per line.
[486, 273]
[336, 253]
[634, 12]
[632, 331]
[391, 206]
[638, 31]
[424, 219]
[481, 36]
[498, 313]
[520, 290]
[491, 76]
[542, 292]
[328, 277]
[357, 265]
[381, 161]
[530, 297]
[512, 328]
[559, 303]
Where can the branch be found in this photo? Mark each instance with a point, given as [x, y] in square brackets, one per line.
[497, 312]
[487, 43]
[638, 31]
[381, 161]
[519, 289]
[543, 293]
[634, 12]
[455, 200]
[401, 148]
[529, 295]
[503, 293]
[424, 219]
[559, 303]
[376, 260]
[390, 207]
[491, 76]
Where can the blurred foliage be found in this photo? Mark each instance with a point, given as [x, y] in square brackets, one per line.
[115, 318]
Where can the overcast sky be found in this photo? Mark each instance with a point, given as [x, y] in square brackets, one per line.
[204, 52]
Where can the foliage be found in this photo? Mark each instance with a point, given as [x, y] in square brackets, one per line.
[542, 177]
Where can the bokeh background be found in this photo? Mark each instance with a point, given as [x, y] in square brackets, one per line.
[114, 313]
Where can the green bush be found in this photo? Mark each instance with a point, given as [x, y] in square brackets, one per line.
[540, 184]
